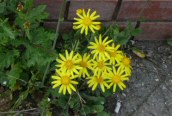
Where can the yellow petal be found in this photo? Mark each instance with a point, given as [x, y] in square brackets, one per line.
[61, 88]
[93, 14]
[56, 85]
[94, 86]
[62, 57]
[102, 87]
[114, 88]
[88, 13]
[69, 90]
[72, 87]
[64, 90]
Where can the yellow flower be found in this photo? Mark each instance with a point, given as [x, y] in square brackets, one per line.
[115, 55]
[79, 11]
[96, 80]
[69, 63]
[100, 66]
[101, 48]
[125, 64]
[85, 63]
[65, 81]
[116, 79]
[86, 21]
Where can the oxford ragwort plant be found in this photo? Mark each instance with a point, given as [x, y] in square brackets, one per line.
[90, 62]
[94, 66]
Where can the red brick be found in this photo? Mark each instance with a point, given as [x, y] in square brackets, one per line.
[150, 30]
[155, 31]
[103, 7]
[65, 26]
[153, 10]
[53, 7]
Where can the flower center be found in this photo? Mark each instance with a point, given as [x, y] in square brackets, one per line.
[101, 64]
[87, 21]
[126, 61]
[83, 64]
[101, 48]
[69, 64]
[65, 80]
[100, 80]
[116, 79]
[113, 54]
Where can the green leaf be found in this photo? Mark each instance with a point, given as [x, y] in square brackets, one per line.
[9, 32]
[6, 29]
[97, 108]
[2, 7]
[169, 42]
[138, 52]
[136, 32]
[86, 110]
[21, 98]
[44, 105]
[75, 102]
[37, 14]
[62, 101]
[108, 93]
[28, 34]
[8, 58]
[3, 77]
[13, 75]
[29, 4]
[53, 92]
[103, 114]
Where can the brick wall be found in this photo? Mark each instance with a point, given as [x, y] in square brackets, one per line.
[154, 17]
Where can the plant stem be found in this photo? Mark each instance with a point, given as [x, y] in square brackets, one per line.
[81, 99]
[56, 37]
[21, 111]
[76, 45]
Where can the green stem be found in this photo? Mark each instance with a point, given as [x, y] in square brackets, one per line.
[56, 37]
[76, 45]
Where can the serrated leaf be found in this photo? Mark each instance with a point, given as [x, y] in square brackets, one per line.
[9, 32]
[6, 30]
[62, 101]
[37, 14]
[7, 57]
[42, 37]
[74, 104]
